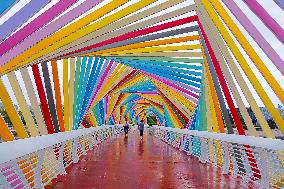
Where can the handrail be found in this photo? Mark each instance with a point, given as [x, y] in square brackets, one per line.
[258, 161]
[269, 143]
[35, 161]
[17, 148]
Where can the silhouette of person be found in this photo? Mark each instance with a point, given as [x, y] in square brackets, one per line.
[141, 129]
[126, 128]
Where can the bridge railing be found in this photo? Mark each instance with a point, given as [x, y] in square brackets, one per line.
[34, 162]
[256, 160]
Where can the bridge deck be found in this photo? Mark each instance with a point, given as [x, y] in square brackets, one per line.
[128, 163]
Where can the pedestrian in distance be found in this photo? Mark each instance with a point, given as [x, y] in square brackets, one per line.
[141, 129]
[125, 128]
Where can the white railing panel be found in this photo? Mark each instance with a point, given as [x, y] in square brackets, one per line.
[34, 162]
[258, 161]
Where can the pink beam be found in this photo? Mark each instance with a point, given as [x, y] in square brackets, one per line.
[253, 31]
[146, 92]
[47, 30]
[266, 18]
[35, 24]
[175, 83]
[106, 75]
[176, 88]
[123, 80]
[106, 109]
[105, 67]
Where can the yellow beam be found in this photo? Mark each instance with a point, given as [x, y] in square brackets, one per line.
[153, 49]
[66, 95]
[5, 133]
[146, 44]
[249, 49]
[246, 68]
[12, 112]
[69, 34]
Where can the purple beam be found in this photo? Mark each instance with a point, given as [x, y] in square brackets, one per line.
[180, 92]
[132, 101]
[106, 66]
[96, 83]
[104, 76]
[253, 31]
[172, 84]
[280, 3]
[178, 89]
[109, 71]
[170, 81]
[34, 25]
[20, 17]
[48, 30]
[106, 108]
[146, 92]
[266, 18]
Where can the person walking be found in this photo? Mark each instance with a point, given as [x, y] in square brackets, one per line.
[125, 128]
[141, 129]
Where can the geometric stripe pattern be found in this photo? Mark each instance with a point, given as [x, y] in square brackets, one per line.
[79, 65]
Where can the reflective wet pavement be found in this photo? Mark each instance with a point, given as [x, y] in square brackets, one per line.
[128, 163]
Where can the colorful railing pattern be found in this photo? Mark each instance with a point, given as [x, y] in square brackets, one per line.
[203, 65]
[257, 161]
[34, 162]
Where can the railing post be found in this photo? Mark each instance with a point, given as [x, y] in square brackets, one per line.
[210, 151]
[83, 146]
[189, 145]
[204, 154]
[235, 161]
[20, 174]
[75, 157]
[91, 141]
[254, 159]
[61, 159]
[181, 142]
[3, 180]
[226, 158]
[97, 138]
[214, 142]
[263, 167]
[38, 177]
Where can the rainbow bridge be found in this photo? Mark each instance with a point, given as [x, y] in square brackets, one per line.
[206, 76]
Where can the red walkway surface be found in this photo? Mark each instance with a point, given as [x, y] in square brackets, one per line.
[127, 163]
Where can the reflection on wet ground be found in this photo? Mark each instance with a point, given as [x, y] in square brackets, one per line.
[129, 163]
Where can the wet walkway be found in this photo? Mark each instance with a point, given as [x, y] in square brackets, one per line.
[127, 163]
